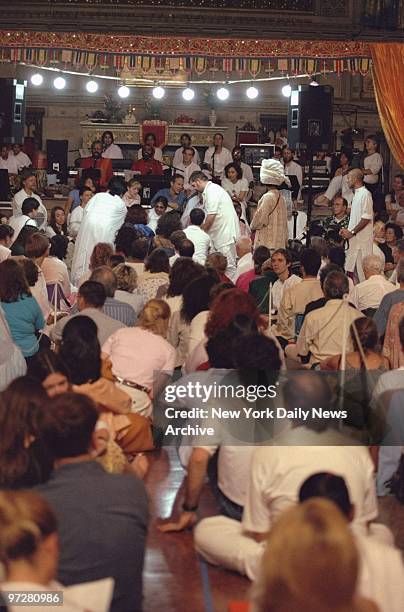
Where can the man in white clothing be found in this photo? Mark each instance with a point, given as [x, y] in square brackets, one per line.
[22, 159]
[104, 215]
[221, 221]
[217, 158]
[187, 166]
[76, 217]
[7, 161]
[28, 180]
[292, 168]
[197, 236]
[360, 227]
[373, 163]
[28, 216]
[244, 255]
[186, 143]
[277, 473]
[370, 292]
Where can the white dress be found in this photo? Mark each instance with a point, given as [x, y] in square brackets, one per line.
[113, 152]
[103, 216]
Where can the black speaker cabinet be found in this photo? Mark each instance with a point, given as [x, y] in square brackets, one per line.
[56, 153]
[310, 118]
[12, 110]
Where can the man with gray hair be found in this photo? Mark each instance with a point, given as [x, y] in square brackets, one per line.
[325, 330]
[390, 299]
[244, 255]
[369, 293]
[120, 311]
[360, 228]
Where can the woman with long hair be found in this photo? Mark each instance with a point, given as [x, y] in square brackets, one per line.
[137, 353]
[57, 223]
[124, 239]
[100, 256]
[154, 281]
[89, 374]
[137, 217]
[21, 310]
[24, 459]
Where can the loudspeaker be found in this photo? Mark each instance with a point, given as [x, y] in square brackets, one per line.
[310, 118]
[12, 110]
[56, 153]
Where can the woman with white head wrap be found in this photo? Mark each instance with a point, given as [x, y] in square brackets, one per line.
[270, 222]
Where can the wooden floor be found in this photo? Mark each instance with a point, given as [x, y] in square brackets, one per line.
[175, 579]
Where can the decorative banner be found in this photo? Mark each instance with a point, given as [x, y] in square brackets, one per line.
[200, 64]
[254, 67]
[181, 46]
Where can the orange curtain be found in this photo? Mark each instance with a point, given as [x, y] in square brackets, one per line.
[388, 64]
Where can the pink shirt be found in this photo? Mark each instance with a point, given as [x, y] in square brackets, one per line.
[136, 354]
[243, 281]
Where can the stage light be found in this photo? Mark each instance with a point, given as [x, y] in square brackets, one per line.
[313, 82]
[286, 91]
[59, 83]
[123, 91]
[159, 92]
[188, 94]
[252, 93]
[37, 79]
[223, 93]
[92, 86]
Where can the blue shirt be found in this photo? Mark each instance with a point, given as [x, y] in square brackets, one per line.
[75, 194]
[24, 318]
[166, 193]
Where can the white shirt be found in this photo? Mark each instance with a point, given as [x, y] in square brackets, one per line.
[23, 161]
[40, 293]
[292, 168]
[374, 163]
[221, 160]
[362, 208]
[178, 158]
[277, 473]
[279, 287]
[158, 154]
[55, 271]
[9, 164]
[74, 221]
[225, 228]
[381, 576]
[17, 222]
[186, 172]
[247, 173]
[113, 152]
[42, 216]
[244, 264]
[4, 253]
[235, 188]
[201, 242]
[370, 292]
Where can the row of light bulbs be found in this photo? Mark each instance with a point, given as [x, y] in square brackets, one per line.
[158, 92]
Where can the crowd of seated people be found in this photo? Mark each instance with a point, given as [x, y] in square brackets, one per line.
[82, 379]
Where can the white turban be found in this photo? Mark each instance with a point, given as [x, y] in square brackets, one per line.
[272, 172]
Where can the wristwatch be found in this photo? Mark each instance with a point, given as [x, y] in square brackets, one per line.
[353, 232]
[188, 508]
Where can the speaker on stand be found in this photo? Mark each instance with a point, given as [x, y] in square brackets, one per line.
[310, 119]
[12, 110]
[56, 153]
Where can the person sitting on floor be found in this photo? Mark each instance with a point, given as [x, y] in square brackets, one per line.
[84, 497]
[277, 472]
